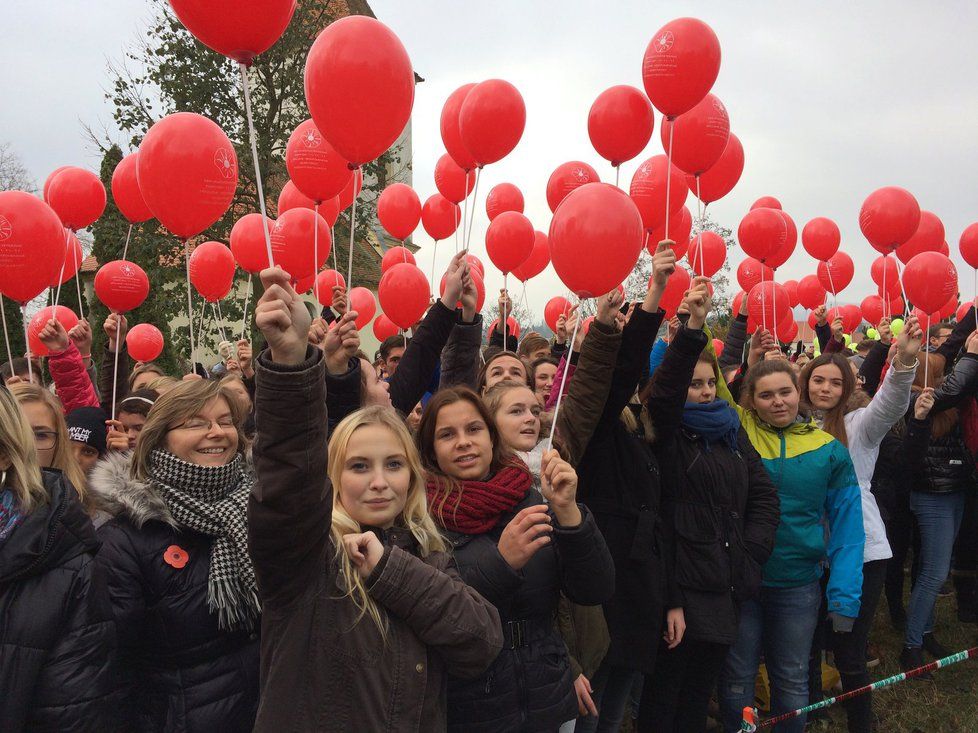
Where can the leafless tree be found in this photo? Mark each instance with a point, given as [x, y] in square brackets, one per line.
[14, 176]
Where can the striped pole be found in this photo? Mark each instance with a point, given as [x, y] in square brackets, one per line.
[748, 726]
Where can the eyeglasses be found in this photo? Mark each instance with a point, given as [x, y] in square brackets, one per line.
[199, 424]
[45, 439]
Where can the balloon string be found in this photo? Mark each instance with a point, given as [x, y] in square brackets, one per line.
[115, 367]
[218, 318]
[254, 157]
[27, 344]
[835, 295]
[672, 126]
[886, 299]
[434, 251]
[475, 198]
[61, 274]
[353, 227]
[125, 248]
[903, 290]
[505, 321]
[465, 213]
[74, 261]
[617, 175]
[926, 359]
[244, 318]
[190, 305]
[200, 331]
[974, 288]
[563, 381]
[315, 248]
[522, 298]
[699, 215]
[6, 337]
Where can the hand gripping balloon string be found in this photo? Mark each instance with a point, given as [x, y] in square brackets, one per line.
[244, 318]
[27, 344]
[672, 126]
[563, 382]
[6, 337]
[475, 198]
[353, 228]
[254, 157]
[190, 304]
[125, 248]
[315, 249]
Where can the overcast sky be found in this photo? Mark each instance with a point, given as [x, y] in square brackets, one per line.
[831, 100]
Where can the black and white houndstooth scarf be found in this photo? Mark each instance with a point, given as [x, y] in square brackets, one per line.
[214, 502]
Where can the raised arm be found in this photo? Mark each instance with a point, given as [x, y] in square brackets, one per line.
[962, 382]
[460, 358]
[871, 369]
[733, 344]
[115, 327]
[290, 508]
[959, 336]
[74, 387]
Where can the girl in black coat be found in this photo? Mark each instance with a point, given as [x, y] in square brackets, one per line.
[57, 638]
[724, 510]
[181, 581]
[519, 553]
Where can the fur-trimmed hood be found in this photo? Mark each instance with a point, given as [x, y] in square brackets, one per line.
[115, 492]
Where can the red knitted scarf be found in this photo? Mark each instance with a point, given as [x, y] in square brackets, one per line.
[476, 508]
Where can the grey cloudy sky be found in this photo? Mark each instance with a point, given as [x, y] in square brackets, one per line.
[831, 100]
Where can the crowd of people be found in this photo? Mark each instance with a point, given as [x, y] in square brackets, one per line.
[474, 532]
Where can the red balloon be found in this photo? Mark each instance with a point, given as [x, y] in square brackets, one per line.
[188, 172]
[945, 250]
[791, 288]
[750, 272]
[648, 191]
[325, 282]
[125, 190]
[476, 264]
[121, 285]
[948, 309]
[811, 294]
[403, 293]
[707, 253]
[717, 347]
[565, 178]
[737, 302]
[674, 292]
[509, 241]
[821, 238]
[930, 280]
[929, 237]
[314, 166]
[680, 227]
[491, 120]
[852, 316]
[72, 261]
[395, 256]
[765, 303]
[351, 191]
[681, 63]
[292, 198]
[248, 242]
[791, 239]
[720, 179]
[440, 217]
[450, 134]
[926, 319]
[452, 182]
[362, 301]
[384, 328]
[962, 311]
[620, 123]
[359, 85]
[595, 239]
[399, 210]
[537, 261]
[144, 342]
[212, 270]
[889, 217]
[294, 246]
[32, 245]
[51, 176]
[766, 202]
[787, 329]
[553, 309]
[872, 309]
[329, 210]
[480, 289]
[238, 29]
[65, 316]
[893, 307]
[512, 327]
[698, 137]
[836, 273]
[762, 233]
[892, 277]
[504, 197]
[77, 197]
[968, 245]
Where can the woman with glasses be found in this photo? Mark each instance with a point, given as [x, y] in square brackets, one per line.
[46, 418]
[180, 579]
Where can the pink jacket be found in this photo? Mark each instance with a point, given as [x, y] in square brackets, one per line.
[71, 380]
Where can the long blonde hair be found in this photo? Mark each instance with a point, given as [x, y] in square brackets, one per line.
[179, 404]
[17, 445]
[414, 518]
[63, 458]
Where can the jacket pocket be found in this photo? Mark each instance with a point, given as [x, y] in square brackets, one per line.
[702, 561]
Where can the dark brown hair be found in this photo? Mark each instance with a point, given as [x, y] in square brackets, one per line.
[530, 343]
[759, 371]
[833, 421]
[484, 371]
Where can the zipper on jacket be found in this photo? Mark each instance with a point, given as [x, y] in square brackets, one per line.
[522, 683]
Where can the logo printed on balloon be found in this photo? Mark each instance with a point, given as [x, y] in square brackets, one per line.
[225, 162]
[5, 229]
[664, 42]
[312, 139]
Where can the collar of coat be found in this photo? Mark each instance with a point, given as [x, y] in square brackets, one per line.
[801, 436]
[117, 493]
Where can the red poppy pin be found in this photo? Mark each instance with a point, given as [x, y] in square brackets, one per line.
[175, 556]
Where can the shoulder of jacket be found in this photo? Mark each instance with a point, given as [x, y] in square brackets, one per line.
[115, 492]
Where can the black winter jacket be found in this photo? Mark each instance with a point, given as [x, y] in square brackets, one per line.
[530, 686]
[181, 671]
[57, 637]
[722, 505]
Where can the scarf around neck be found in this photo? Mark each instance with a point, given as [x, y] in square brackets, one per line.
[213, 500]
[477, 505]
[713, 422]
